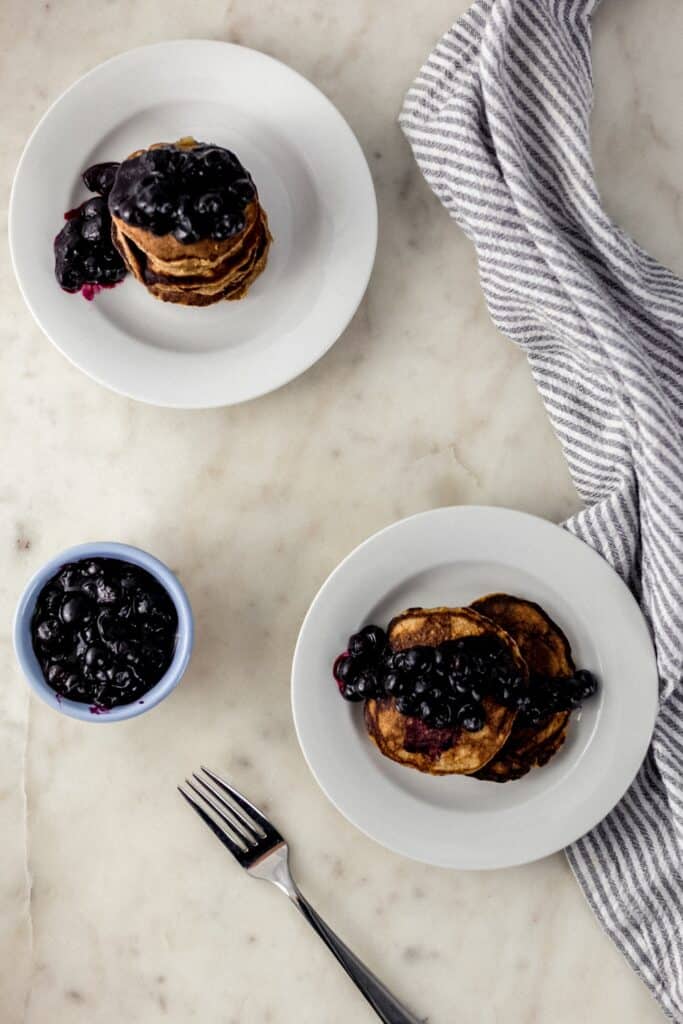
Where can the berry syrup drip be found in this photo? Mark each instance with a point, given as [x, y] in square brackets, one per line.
[104, 632]
[86, 259]
[443, 687]
[189, 192]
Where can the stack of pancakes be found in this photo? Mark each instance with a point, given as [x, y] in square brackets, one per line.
[508, 746]
[195, 273]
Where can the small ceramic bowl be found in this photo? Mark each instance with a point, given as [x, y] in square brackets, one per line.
[29, 663]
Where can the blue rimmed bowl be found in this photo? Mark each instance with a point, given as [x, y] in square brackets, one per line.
[23, 644]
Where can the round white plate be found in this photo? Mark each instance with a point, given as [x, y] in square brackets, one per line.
[313, 181]
[450, 557]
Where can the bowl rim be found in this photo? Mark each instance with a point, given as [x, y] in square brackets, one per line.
[28, 661]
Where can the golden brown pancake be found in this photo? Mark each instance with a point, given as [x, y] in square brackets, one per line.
[546, 651]
[440, 751]
[230, 280]
[197, 273]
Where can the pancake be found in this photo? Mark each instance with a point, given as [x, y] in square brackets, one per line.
[230, 279]
[204, 270]
[547, 653]
[408, 740]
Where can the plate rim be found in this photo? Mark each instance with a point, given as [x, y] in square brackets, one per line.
[551, 847]
[366, 266]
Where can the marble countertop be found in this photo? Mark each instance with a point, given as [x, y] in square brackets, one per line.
[114, 904]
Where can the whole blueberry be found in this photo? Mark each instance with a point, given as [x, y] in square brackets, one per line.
[100, 177]
[343, 669]
[587, 681]
[366, 684]
[76, 609]
[394, 684]
[350, 693]
[405, 705]
[471, 717]
[442, 717]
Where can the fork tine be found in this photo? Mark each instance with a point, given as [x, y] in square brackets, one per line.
[244, 828]
[234, 849]
[236, 832]
[253, 812]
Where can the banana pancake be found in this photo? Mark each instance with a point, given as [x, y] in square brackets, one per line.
[546, 651]
[410, 741]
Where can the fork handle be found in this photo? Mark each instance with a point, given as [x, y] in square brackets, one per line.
[387, 1008]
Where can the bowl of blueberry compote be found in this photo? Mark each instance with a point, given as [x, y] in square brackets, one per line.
[103, 632]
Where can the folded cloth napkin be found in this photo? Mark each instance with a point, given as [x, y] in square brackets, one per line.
[498, 119]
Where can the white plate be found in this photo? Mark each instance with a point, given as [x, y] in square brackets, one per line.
[449, 557]
[313, 181]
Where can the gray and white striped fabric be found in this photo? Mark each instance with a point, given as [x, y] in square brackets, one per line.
[498, 119]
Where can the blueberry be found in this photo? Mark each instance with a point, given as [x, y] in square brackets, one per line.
[210, 204]
[426, 710]
[107, 592]
[458, 683]
[227, 225]
[369, 642]
[471, 717]
[343, 669]
[93, 208]
[421, 685]
[349, 692]
[97, 656]
[92, 229]
[587, 682]
[100, 177]
[161, 160]
[405, 706]
[89, 588]
[441, 660]
[462, 664]
[123, 678]
[57, 675]
[366, 684]
[51, 599]
[418, 659]
[75, 610]
[394, 684]
[69, 578]
[572, 696]
[50, 632]
[243, 189]
[124, 210]
[442, 717]
[149, 198]
[185, 231]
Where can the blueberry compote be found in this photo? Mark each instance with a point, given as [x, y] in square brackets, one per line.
[443, 687]
[189, 192]
[86, 259]
[104, 632]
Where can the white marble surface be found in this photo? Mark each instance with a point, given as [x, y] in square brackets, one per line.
[114, 904]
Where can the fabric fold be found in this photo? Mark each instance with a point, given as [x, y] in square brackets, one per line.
[498, 120]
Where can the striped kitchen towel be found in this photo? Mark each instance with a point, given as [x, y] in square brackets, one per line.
[498, 119]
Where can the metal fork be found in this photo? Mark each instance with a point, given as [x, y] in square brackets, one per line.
[260, 849]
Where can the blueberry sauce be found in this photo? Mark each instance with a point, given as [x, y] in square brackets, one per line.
[86, 259]
[190, 193]
[441, 689]
[104, 632]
